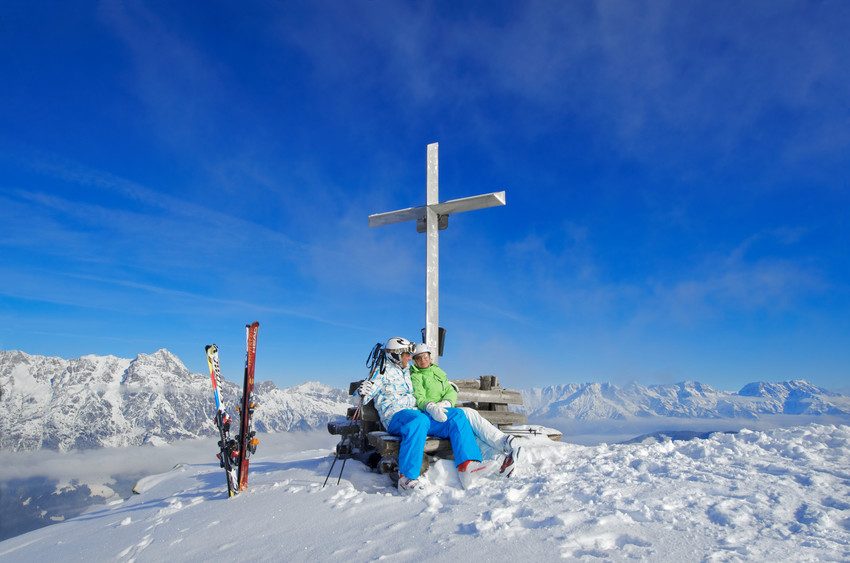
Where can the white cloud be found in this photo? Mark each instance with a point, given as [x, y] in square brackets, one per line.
[99, 466]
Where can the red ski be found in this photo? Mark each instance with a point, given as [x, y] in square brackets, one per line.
[247, 437]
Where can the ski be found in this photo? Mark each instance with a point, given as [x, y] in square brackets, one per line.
[247, 438]
[228, 447]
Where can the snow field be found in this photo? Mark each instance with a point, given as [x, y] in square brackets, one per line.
[755, 495]
[774, 495]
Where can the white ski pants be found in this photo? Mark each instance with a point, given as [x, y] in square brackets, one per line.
[484, 430]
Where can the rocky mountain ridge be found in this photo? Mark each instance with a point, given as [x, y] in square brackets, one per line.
[97, 401]
[688, 399]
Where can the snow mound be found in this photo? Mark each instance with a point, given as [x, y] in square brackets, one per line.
[146, 483]
[751, 495]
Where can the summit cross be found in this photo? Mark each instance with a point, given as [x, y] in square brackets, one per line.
[430, 219]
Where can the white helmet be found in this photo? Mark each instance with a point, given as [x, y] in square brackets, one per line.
[396, 346]
[421, 349]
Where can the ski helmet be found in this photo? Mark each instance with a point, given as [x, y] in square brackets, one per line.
[396, 346]
[421, 349]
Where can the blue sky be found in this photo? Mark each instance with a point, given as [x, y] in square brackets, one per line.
[676, 177]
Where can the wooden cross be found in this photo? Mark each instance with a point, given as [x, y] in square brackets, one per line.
[430, 219]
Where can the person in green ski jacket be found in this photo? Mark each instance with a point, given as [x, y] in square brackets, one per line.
[434, 393]
[430, 384]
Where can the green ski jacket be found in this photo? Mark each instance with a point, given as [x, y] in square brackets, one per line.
[431, 385]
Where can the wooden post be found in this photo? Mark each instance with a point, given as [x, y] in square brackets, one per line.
[486, 384]
[494, 384]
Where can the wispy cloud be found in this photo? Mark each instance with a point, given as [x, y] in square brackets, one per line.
[129, 298]
[658, 76]
[565, 271]
[137, 194]
[204, 301]
[751, 277]
[131, 238]
[179, 86]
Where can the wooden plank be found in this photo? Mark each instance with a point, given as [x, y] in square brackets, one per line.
[504, 417]
[501, 396]
[369, 414]
[467, 383]
[387, 445]
[374, 437]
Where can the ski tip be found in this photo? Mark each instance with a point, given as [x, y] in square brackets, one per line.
[209, 347]
[253, 324]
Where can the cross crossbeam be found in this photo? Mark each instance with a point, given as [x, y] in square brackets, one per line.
[459, 205]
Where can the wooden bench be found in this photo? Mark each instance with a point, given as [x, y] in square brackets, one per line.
[483, 394]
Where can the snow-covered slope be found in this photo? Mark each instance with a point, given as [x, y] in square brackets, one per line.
[98, 401]
[766, 496]
[689, 399]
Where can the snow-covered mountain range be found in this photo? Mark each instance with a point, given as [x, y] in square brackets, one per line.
[689, 399]
[96, 401]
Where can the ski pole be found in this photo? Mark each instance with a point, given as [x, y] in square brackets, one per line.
[375, 362]
[341, 469]
[336, 456]
[346, 453]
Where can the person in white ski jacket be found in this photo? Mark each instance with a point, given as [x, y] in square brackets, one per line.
[392, 393]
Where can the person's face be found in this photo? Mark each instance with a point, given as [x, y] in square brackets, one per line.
[422, 361]
[405, 359]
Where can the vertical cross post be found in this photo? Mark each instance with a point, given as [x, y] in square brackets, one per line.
[432, 245]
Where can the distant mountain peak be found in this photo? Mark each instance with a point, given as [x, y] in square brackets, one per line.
[312, 387]
[767, 388]
[164, 353]
[162, 356]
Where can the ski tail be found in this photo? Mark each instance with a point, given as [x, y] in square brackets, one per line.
[215, 372]
[227, 446]
[247, 437]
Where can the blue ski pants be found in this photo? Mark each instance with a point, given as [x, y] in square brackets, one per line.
[414, 426]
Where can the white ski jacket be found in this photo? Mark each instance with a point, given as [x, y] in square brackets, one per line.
[393, 392]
